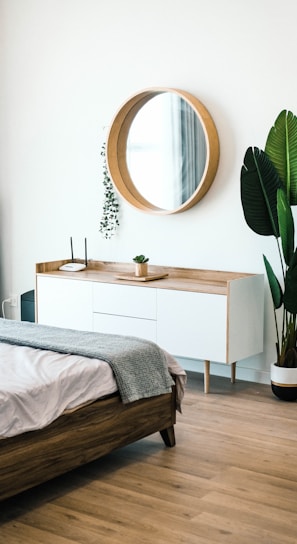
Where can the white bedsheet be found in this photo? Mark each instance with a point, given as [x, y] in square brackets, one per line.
[37, 386]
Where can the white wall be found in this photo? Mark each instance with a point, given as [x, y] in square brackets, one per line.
[67, 66]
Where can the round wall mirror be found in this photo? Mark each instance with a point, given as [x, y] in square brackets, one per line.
[162, 151]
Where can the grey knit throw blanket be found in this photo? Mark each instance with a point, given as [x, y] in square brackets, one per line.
[139, 366]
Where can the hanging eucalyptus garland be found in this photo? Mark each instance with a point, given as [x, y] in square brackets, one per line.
[109, 221]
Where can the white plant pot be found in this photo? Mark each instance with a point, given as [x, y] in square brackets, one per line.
[284, 382]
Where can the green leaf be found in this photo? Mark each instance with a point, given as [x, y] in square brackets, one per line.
[290, 294]
[281, 147]
[275, 288]
[259, 184]
[286, 225]
[140, 259]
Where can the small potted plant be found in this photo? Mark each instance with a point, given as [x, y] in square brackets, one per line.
[140, 265]
[268, 191]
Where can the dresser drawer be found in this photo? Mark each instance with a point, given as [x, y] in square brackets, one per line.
[114, 324]
[124, 300]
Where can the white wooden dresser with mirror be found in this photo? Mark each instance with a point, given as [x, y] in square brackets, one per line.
[197, 314]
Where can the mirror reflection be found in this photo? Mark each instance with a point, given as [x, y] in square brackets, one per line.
[162, 150]
[166, 151]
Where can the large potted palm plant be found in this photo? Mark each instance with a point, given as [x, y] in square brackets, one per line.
[268, 192]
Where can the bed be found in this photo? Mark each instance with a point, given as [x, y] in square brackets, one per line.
[88, 429]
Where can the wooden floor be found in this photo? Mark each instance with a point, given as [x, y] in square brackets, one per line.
[232, 478]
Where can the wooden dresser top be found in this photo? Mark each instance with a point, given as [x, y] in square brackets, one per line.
[182, 279]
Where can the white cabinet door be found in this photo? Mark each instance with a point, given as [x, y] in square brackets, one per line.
[64, 303]
[192, 324]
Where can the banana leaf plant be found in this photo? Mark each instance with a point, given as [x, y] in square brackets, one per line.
[268, 192]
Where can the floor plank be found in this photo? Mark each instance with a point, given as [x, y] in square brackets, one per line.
[232, 478]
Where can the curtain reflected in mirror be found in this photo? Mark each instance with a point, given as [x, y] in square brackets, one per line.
[166, 151]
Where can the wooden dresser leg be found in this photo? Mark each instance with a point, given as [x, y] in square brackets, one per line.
[233, 372]
[206, 376]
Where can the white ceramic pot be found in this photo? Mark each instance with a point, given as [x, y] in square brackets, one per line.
[284, 382]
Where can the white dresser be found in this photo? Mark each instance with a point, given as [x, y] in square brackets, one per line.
[200, 314]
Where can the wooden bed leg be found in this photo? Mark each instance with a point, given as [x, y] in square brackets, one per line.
[168, 436]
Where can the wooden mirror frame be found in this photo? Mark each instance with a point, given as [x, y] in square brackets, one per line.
[117, 145]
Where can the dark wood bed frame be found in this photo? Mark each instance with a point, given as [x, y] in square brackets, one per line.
[82, 436]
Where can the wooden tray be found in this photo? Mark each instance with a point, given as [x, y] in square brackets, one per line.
[148, 277]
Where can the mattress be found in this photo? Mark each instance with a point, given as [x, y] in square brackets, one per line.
[37, 386]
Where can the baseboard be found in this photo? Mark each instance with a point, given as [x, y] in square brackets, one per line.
[217, 369]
